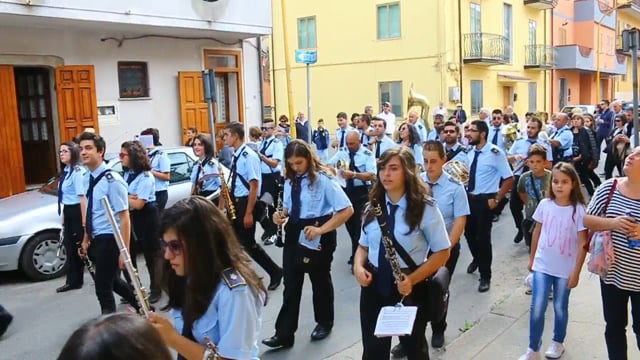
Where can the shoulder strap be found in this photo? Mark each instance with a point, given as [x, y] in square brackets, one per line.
[609, 196]
[454, 153]
[535, 189]
[201, 166]
[381, 217]
[97, 179]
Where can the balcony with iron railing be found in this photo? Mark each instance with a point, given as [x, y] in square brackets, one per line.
[540, 57]
[541, 4]
[631, 8]
[484, 48]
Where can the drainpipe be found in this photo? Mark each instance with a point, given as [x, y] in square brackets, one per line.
[261, 76]
[545, 49]
[460, 52]
[550, 109]
[273, 87]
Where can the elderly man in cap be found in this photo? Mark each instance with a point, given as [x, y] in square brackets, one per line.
[388, 117]
[460, 114]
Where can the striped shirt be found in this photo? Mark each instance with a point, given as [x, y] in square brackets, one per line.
[625, 271]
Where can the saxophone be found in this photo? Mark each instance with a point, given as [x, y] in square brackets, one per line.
[139, 291]
[226, 195]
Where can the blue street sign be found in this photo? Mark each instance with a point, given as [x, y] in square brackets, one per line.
[306, 56]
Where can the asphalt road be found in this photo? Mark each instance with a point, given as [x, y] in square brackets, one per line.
[44, 320]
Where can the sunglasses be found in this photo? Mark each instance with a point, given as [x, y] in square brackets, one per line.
[497, 118]
[618, 120]
[123, 155]
[174, 246]
[449, 131]
[266, 128]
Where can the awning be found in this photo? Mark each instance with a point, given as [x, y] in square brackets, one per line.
[512, 77]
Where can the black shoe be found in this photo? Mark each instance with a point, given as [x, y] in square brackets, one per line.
[123, 301]
[320, 332]
[519, 237]
[277, 342]
[268, 241]
[5, 320]
[484, 285]
[495, 217]
[472, 268]
[268, 234]
[67, 287]
[155, 296]
[350, 261]
[279, 243]
[275, 281]
[398, 351]
[437, 339]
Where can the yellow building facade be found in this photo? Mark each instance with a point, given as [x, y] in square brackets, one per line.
[480, 53]
[628, 18]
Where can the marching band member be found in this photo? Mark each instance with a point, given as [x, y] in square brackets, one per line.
[494, 136]
[422, 130]
[453, 204]
[410, 138]
[517, 155]
[382, 141]
[144, 211]
[419, 231]
[309, 242]
[341, 133]
[365, 129]
[271, 153]
[434, 134]
[99, 240]
[453, 149]
[205, 178]
[214, 295]
[244, 187]
[160, 167]
[362, 169]
[72, 187]
[488, 168]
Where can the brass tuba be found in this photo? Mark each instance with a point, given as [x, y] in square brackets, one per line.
[510, 134]
[420, 104]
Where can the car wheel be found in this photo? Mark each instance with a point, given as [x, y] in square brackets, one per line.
[39, 260]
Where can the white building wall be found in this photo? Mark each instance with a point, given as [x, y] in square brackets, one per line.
[165, 57]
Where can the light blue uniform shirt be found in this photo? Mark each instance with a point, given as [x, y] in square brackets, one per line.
[142, 186]
[431, 235]
[461, 155]
[75, 184]
[232, 322]
[160, 162]
[500, 138]
[384, 144]
[433, 135]
[522, 146]
[451, 198]
[340, 135]
[273, 150]
[492, 165]
[323, 197]
[247, 166]
[209, 173]
[113, 186]
[364, 138]
[416, 149]
[422, 131]
[365, 162]
[565, 136]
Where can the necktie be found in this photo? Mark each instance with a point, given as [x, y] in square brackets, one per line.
[385, 273]
[494, 141]
[378, 143]
[472, 172]
[88, 220]
[352, 167]
[342, 139]
[234, 175]
[362, 138]
[296, 201]
[431, 185]
[60, 182]
[265, 145]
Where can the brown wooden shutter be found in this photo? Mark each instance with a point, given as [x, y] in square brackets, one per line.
[12, 179]
[77, 105]
[193, 108]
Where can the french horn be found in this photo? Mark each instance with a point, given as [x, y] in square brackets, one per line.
[510, 134]
[457, 170]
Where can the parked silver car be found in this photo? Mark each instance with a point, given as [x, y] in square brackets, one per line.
[30, 225]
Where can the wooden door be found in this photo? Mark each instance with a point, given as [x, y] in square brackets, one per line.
[12, 179]
[36, 124]
[194, 111]
[77, 105]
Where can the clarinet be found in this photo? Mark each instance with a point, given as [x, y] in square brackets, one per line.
[139, 291]
[279, 236]
[389, 250]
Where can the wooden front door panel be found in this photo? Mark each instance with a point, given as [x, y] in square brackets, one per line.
[12, 176]
[77, 104]
[193, 108]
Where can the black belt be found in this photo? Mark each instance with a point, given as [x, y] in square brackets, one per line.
[71, 206]
[206, 193]
[160, 191]
[374, 269]
[317, 221]
[482, 196]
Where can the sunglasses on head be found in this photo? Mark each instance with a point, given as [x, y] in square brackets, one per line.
[174, 246]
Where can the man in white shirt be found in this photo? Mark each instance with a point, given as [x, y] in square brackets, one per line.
[440, 109]
[388, 117]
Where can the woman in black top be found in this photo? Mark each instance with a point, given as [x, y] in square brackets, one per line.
[582, 151]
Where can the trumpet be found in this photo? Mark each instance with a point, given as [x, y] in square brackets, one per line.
[139, 291]
[226, 195]
[457, 170]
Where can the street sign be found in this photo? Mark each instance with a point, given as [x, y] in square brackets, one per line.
[306, 56]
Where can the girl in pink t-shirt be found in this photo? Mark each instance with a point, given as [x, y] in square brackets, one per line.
[557, 255]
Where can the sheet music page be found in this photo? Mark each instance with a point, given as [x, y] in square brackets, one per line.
[395, 321]
[313, 244]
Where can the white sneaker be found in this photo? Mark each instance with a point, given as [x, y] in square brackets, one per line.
[530, 355]
[554, 351]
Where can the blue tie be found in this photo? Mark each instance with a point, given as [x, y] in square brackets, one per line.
[352, 167]
[342, 139]
[472, 172]
[60, 182]
[296, 201]
[494, 141]
[89, 220]
[385, 273]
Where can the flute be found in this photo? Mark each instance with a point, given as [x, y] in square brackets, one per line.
[139, 291]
